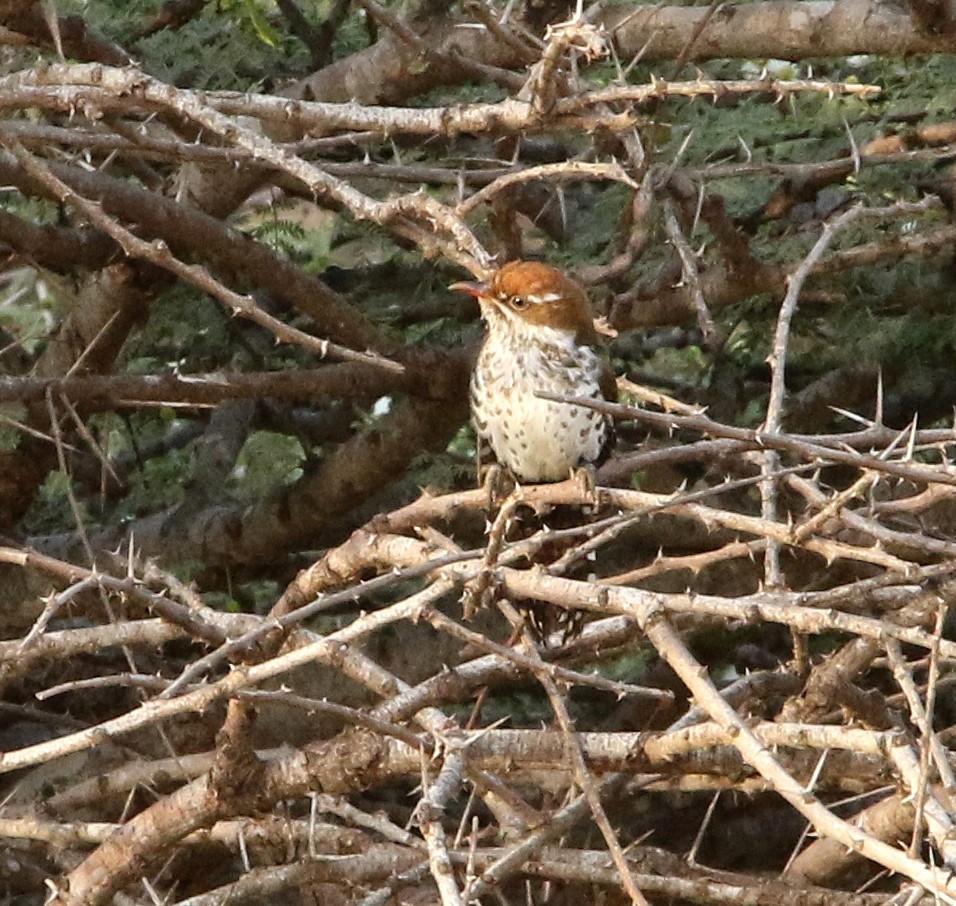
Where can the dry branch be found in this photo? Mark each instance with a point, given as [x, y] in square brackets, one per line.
[377, 667]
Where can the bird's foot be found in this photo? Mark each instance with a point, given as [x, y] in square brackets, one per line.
[497, 484]
[586, 478]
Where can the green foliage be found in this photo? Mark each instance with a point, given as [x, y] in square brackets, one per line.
[298, 231]
[266, 461]
[157, 482]
[281, 235]
[896, 316]
[209, 52]
[251, 16]
[51, 510]
[630, 667]
[885, 316]
[592, 220]
[232, 44]
[185, 330]
[463, 443]
[440, 470]
[28, 308]
[120, 20]
[10, 434]
[520, 709]
[31, 299]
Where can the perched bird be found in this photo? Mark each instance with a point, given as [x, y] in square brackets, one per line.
[541, 338]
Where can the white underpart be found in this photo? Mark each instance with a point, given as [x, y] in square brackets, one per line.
[537, 439]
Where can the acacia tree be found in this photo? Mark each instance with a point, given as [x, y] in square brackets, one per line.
[246, 655]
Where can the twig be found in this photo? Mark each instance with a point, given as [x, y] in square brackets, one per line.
[428, 815]
[102, 87]
[778, 362]
[787, 443]
[778, 359]
[328, 648]
[567, 171]
[705, 320]
[695, 677]
[159, 254]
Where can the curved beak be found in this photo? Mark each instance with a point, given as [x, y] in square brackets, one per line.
[476, 289]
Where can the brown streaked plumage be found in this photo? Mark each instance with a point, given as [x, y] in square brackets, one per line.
[540, 338]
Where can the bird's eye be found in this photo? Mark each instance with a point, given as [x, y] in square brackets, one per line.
[517, 303]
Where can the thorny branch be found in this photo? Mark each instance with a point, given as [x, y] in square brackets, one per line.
[371, 673]
[816, 613]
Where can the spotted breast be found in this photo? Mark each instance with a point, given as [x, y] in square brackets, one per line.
[540, 338]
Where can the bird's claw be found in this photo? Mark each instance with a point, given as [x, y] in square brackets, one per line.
[494, 481]
[586, 478]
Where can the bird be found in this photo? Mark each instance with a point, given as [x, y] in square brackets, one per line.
[540, 337]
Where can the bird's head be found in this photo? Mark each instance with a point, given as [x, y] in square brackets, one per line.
[533, 294]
